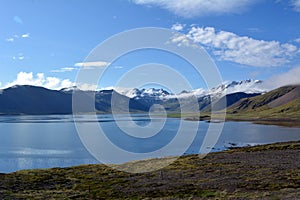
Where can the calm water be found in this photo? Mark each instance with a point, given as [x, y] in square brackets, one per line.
[52, 141]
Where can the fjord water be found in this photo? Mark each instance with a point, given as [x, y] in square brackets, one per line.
[29, 142]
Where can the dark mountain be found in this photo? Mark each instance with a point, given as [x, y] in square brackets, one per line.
[106, 98]
[34, 100]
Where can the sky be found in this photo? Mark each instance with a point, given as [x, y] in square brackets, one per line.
[45, 42]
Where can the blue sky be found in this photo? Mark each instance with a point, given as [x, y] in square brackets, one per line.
[45, 42]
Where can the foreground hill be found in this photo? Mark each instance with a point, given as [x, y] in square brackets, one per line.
[261, 172]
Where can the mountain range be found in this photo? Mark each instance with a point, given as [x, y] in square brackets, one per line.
[237, 97]
[246, 86]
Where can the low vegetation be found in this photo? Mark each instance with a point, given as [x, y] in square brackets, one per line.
[268, 172]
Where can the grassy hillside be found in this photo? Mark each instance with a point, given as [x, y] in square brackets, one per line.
[276, 105]
[260, 102]
[268, 172]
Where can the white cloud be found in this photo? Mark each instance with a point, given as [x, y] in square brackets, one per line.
[64, 69]
[26, 35]
[54, 83]
[178, 27]
[242, 49]
[10, 39]
[66, 83]
[16, 37]
[24, 78]
[192, 8]
[297, 40]
[86, 86]
[181, 40]
[92, 64]
[289, 78]
[296, 5]
[19, 57]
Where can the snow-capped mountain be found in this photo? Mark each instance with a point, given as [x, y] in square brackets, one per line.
[144, 93]
[246, 86]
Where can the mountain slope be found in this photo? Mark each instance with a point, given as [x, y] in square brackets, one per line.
[291, 109]
[282, 103]
[106, 98]
[261, 102]
[231, 99]
[34, 100]
[290, 96]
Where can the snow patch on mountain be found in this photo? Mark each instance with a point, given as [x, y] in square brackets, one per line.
[70, 89]
[247, 86]
[142, 93]
[228, 87]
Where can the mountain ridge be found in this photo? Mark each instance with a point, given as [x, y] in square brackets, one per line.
[229, 87]
[34, 100]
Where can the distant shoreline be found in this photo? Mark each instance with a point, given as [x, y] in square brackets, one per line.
[285, 122]
[278, 122]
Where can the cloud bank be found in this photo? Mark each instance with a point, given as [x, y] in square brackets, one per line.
[228, 46]
[24, 78]
[289, 78]
[193, 8]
